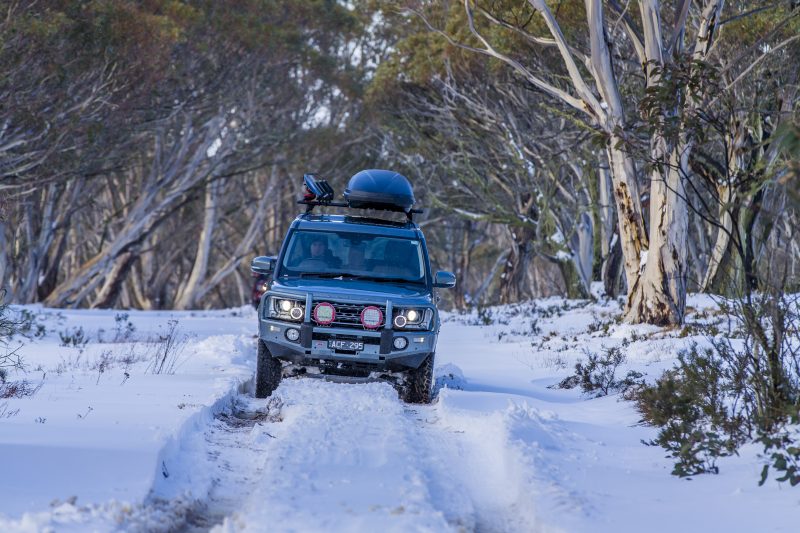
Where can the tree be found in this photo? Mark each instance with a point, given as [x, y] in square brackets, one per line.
[150, 179]
[654, 256]
[485, 159]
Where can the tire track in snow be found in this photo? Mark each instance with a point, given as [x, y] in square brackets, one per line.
[325, 456]
[209, 470]
[235, 456]
[355, 458]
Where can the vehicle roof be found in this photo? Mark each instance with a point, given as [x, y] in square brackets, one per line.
[323, 222]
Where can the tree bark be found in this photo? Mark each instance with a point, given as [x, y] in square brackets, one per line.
[613, 280]
[513, 279]
[660, 295]
[478, 299]
[111, 289]
[186, 165]
[186, 294]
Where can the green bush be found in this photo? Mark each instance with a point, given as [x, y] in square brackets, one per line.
[689, 404]
[597, 377]
[735, 391]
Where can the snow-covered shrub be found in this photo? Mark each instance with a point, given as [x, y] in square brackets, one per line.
[28, 325]
[737, 390]
[783, 447]
[167, 350]
[74, 337]
[598, 376]
[124, 328]
[18, 389]
[10, 359]
[689, 404]
[8, 327]
[601, 326]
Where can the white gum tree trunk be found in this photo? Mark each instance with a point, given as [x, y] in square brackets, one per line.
[200, 283]
[606, 210]
[186, 294]
[654, 258]
[185, 165]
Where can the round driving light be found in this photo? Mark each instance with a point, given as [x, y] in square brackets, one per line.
[285, 305]
[296, 313]
[400, 321]
[412, 315]
[371, 317]
[324, 313]
[292, 334]
[400, 343]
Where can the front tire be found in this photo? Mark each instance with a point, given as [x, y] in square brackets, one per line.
[268, 372]
[419, 382]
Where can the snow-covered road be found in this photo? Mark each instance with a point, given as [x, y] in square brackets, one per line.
[324, 456]
[106, 445]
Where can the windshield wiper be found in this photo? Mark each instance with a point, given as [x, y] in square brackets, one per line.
[321, 274]
[390, 280]
[344, 275]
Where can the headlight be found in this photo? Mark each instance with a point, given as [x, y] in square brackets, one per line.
[286, 308]
[413, 318]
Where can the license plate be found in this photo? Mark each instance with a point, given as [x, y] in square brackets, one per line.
[350, 346]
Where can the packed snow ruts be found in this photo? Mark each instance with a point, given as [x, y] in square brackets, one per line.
[319, 455]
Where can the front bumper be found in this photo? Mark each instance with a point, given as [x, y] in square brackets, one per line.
[378, 353]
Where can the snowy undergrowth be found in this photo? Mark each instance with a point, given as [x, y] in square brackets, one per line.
[500, 449]
[89, 444]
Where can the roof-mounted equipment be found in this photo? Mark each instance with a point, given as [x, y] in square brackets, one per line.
[369, 189]
[317, 190]
[380, 189]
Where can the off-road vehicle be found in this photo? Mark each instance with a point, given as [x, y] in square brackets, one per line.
[351, 298]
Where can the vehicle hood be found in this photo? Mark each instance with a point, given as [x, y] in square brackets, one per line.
[353, 290]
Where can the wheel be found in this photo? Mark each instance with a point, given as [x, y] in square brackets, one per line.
[419, 382]
[268, 372]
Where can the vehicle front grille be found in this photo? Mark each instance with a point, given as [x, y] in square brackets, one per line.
[349, 315]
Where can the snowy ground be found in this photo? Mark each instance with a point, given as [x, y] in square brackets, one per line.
[108, 444]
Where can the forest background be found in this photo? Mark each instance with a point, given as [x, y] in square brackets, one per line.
[149, 149]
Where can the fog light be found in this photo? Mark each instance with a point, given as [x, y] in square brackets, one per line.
[400, 343]
[296, 313]
[292, 334]
[400, 321]
[324, 313]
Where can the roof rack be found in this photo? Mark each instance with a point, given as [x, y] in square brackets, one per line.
[369, 189]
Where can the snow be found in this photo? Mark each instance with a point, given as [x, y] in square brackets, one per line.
[498, 450]
[214, 148]
[563, 255]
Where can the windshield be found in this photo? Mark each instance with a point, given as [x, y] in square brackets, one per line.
[353, 256]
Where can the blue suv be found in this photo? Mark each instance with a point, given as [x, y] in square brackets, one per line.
[351, 298]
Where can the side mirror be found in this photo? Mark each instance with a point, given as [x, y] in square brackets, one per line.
[263, 265]
[444, 280]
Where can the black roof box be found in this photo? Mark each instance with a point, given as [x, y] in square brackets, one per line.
[380, 189]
